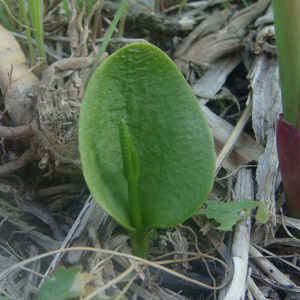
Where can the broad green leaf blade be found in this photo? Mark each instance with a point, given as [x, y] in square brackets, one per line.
[229, 213]
[140, 84]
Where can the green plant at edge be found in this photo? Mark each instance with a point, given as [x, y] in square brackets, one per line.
[28, 34]
[287, 25]
[287, 28]
[146, 150]
[67, 9]
[3, 19]
[36, 9]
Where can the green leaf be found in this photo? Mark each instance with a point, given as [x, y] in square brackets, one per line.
[287, 30]
[229, 213]
[142, 86]
[64, 285]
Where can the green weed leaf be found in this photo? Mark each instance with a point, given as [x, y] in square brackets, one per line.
[172, 141]
[227, 214]
[63, 285]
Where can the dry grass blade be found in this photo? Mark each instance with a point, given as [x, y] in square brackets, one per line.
[241, 241]
[139, 261]
[234, 136]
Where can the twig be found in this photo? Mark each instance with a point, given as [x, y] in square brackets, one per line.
[238, 129]
[280, 258]
[255, 291]
[269, 268]
[240, 247]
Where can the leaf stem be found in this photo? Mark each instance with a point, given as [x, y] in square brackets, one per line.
[139, 243]
[287, 29]
[131, 169]
[134, 205]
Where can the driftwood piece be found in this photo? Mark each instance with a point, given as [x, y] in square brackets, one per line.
[268, 176]
[264, 81]
[211, 82]
[225, 41]
[211, 24]
[266, 96]
[138, 18]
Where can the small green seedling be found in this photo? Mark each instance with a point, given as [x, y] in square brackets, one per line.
[62, 285]
[146, 150]
[67, 284]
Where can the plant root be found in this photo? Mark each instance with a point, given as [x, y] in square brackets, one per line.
[15, 133]
[10, 167]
